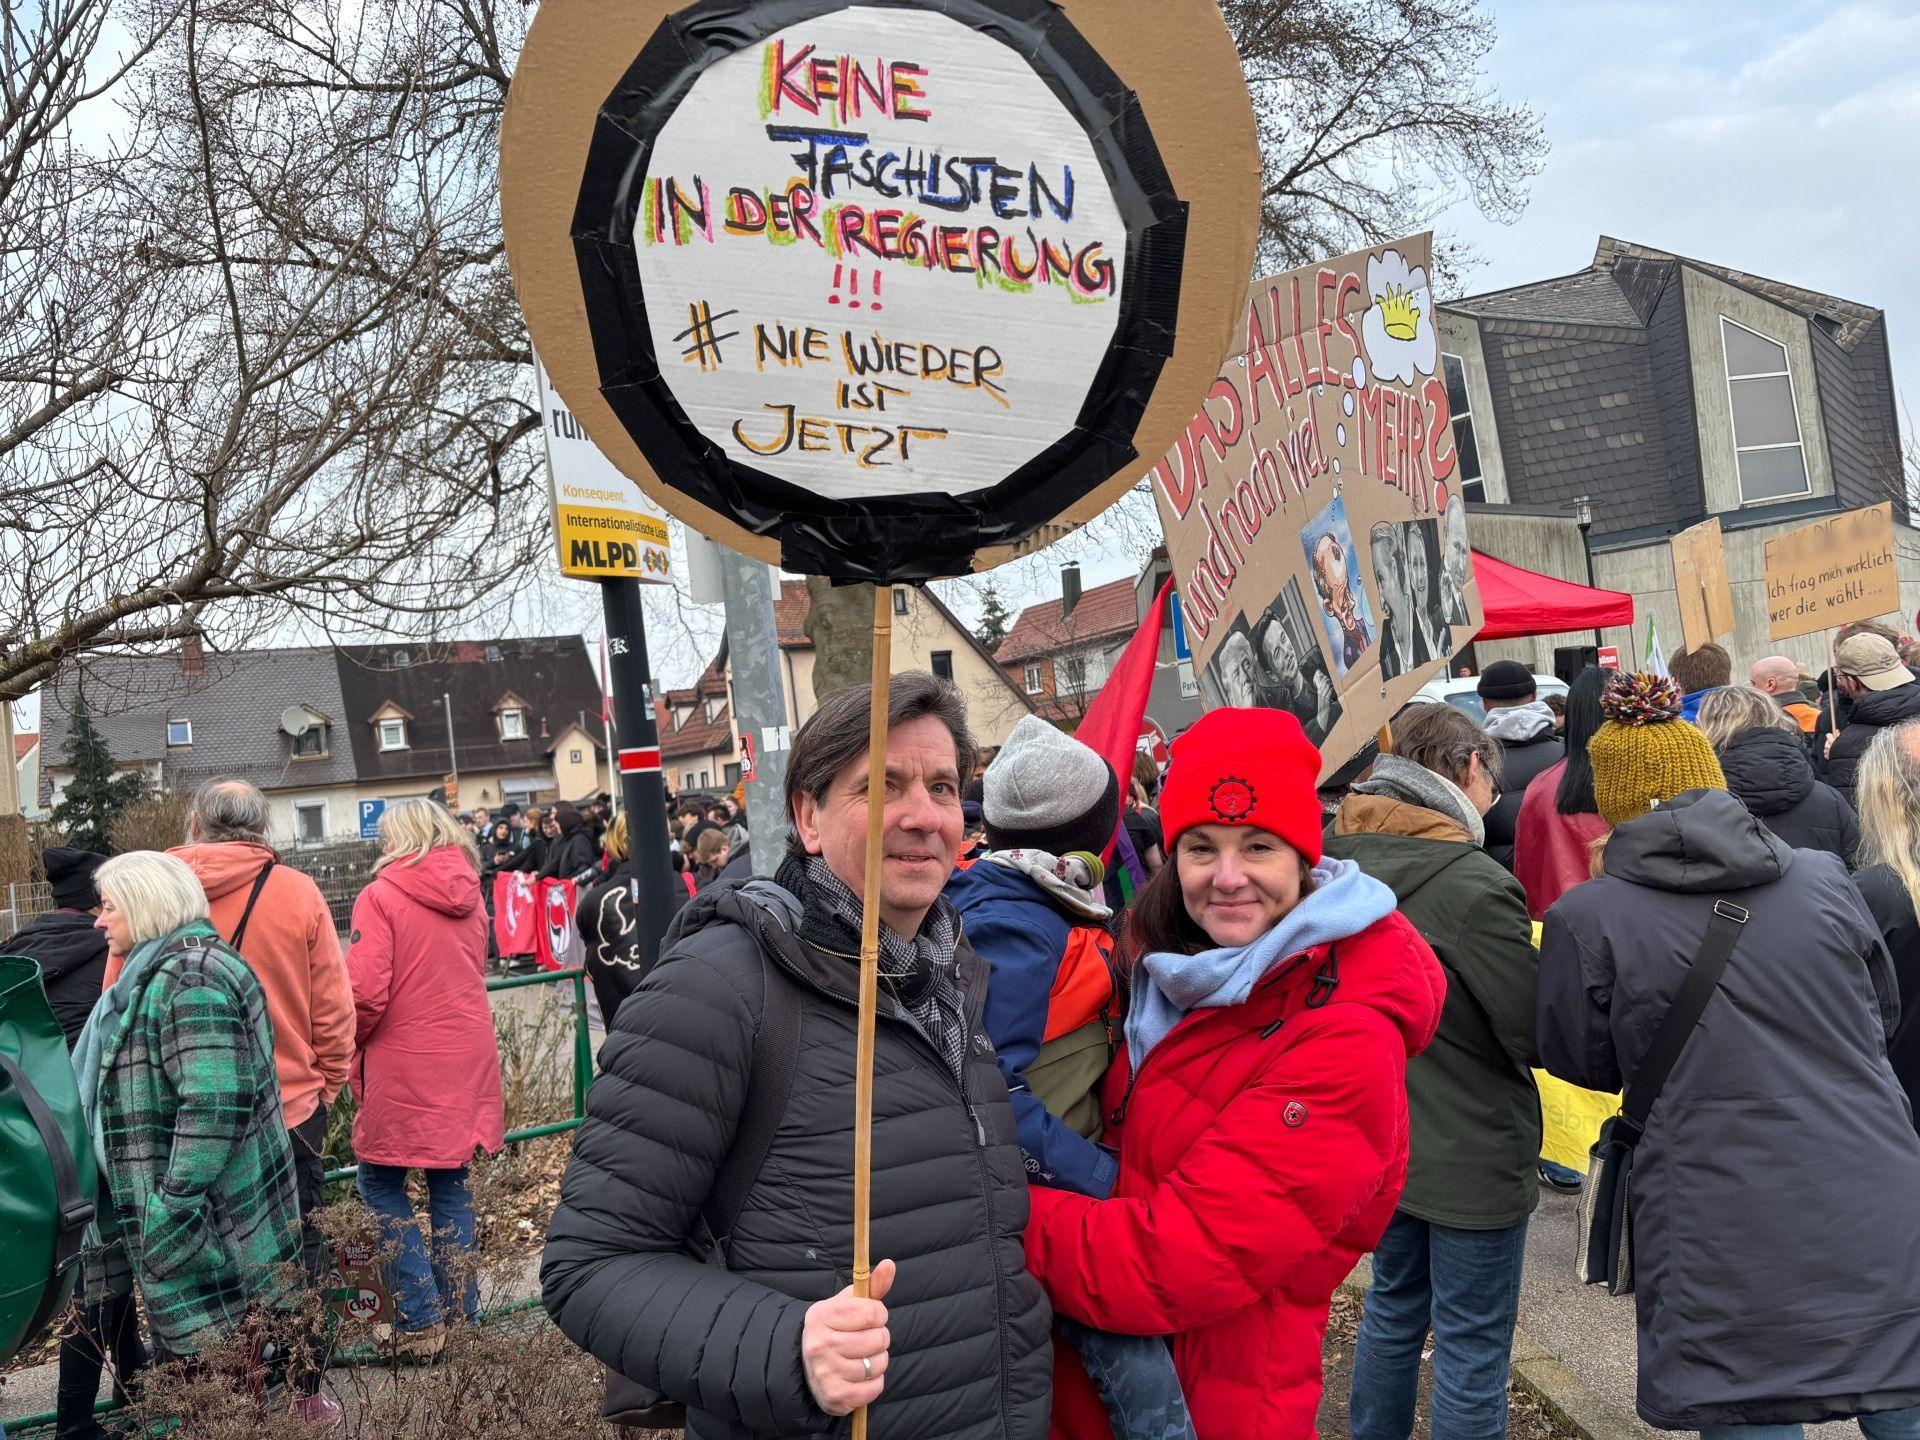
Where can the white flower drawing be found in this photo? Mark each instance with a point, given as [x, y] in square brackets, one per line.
[1399, 326]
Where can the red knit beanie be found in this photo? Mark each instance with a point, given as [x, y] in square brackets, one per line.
[1245, 767]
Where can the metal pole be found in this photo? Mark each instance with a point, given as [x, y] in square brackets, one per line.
[453, 755]
[1586, 544]
[759, 701]
[642, 786]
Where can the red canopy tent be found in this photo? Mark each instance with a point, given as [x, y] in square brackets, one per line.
[1520, 602]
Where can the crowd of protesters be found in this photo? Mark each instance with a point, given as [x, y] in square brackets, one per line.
[1159, 1057]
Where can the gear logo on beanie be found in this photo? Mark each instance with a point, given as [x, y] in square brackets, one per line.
[1232, 799]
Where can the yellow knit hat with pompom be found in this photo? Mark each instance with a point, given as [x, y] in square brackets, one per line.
[1646, 754]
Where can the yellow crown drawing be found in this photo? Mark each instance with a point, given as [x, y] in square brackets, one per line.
[1398, 314]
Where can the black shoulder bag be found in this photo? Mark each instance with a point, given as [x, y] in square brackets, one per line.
[776, 1050]
[1604, 1254]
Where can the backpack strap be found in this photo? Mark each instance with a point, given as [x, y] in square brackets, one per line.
[73, 1210]
[259, 884]
[776, 1052]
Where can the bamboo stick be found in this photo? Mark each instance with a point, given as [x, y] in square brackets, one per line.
[870, 953]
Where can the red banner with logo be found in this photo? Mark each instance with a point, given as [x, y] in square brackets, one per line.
[515, 903]
[559, 938]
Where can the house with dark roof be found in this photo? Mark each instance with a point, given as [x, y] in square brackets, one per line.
[699, 749]
[184, 718]
[1060, 652]
[516, 720]
[320, 730]
[1666, 390]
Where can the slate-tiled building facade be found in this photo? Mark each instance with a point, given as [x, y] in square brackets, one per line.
[1668, 390]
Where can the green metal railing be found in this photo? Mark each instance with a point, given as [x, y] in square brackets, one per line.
[582, 1058]
[364, 1355]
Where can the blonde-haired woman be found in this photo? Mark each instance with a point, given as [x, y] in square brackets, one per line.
[426, 1072]
[1764, 756]
[1888, 789]
[175, 1069]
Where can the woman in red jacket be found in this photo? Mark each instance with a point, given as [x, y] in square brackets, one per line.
[1260, 1103]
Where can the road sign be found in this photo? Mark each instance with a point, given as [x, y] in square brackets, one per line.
[370, 813]
[1180, 650]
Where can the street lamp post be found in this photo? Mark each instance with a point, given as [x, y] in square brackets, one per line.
[1583, 517]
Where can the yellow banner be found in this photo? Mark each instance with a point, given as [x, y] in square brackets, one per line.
[618, 543]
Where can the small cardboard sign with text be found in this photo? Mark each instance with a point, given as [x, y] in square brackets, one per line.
[1831, 573]
[1700, 584]
[1318, 540]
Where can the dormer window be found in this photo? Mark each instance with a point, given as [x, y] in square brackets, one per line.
[311, 741]
[512, 717]
[393, 734]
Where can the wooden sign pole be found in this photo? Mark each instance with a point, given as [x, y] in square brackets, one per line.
[870, 953]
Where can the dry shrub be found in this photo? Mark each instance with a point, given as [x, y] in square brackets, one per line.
[156, 823]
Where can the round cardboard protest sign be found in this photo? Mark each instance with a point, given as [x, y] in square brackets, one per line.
[880, 291]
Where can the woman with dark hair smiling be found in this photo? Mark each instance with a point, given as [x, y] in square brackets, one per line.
[1260, 1102]
[1559, 822]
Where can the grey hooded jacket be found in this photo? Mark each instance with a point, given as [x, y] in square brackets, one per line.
[970, 1357]
[1776, 1237]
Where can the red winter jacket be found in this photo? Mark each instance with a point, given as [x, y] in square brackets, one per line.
[1263, 1151]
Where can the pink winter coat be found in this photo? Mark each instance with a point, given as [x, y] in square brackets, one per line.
[427, 1070]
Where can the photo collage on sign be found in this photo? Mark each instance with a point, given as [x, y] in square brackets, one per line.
[1420, 568]
[1275, 662]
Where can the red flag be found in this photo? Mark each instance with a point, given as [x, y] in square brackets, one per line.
[557, 939]
[1112, 722]
[514, 920]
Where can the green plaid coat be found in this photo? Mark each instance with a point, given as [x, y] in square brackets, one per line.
[195, 1153]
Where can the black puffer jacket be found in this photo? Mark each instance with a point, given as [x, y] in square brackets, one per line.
[1768, 768]
[572, 855]
[1874, 711]
[970, 1357]
[1776, 1241]
[73, 960]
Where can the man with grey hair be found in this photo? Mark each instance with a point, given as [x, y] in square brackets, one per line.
[712, 1121]
[278, 920]
[1780, 677]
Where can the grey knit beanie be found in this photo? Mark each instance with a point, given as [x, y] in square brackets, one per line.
[1047, 791]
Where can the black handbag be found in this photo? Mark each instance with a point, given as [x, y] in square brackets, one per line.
[776, 1049]
[1604, 1250]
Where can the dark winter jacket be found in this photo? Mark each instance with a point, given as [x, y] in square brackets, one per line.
[1892, 910]
[970, 1354]
[1776, 1241]
[531, 858]
[1023, 935]
[611, 925]
[1521, 761]
[1768, 768]
[1873, 711]
[72, 956]
[1476, 1114]
[572, 855]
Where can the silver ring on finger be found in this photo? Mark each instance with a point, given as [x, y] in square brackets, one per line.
[867, 1365]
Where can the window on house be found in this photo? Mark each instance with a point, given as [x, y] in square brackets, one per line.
[1766, 420]
[1073, 673]
[393, 734]
[1033, 679]
[401, 659]
[179, 732]
[309, 819]
[573, 757]
[513, 724]
[731, 776]
[943, 664]
[706, 779]
[493, 654]
[311, 741]
[1466, 446]
[686, 781]
[899, 599]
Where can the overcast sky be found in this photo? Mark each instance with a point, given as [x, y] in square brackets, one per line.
[1778, 138]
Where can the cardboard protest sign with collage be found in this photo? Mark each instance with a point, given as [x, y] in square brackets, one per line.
[1318, 543]
[880, 291]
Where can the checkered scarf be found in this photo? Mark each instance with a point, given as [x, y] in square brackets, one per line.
[831, 919]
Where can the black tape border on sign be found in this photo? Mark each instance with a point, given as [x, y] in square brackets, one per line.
[894, 538]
